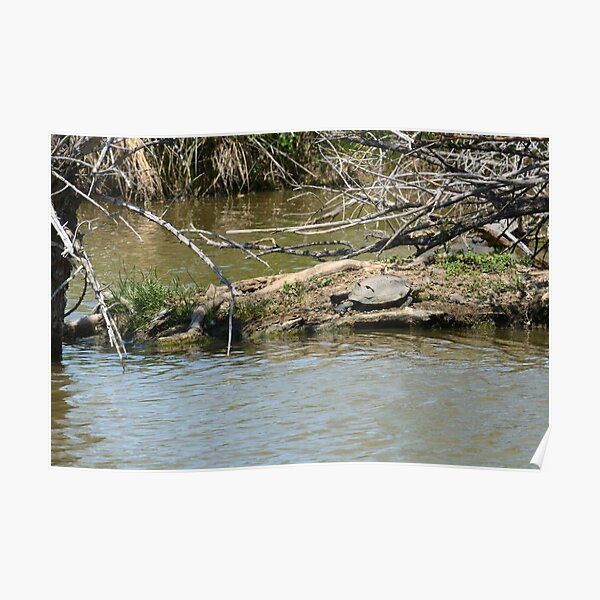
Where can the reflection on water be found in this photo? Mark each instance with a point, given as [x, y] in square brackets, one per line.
[450, 399]
[430, 397]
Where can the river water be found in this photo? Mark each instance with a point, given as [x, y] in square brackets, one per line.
[462, 398]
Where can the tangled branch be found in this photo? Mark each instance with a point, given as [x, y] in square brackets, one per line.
[425, 189]
[74, 249]
[87, 163]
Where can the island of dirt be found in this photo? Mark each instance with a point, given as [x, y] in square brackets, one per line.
[444, 295]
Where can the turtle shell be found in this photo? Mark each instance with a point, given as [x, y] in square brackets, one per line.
[381, 290]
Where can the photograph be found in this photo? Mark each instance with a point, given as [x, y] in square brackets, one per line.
[299, 297]
[314, 325]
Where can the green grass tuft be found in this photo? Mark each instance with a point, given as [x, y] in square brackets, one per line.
[324, 282]
[250, 310]
[138, 297]
[469, 263]
[391, 260]
[294, 292]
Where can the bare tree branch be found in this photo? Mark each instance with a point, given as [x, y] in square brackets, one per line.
[186, 241]
[73, 249]
[426, 188]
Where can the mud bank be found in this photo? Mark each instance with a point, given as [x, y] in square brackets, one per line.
[306, 301]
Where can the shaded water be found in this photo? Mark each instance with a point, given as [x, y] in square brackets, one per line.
[420, 396]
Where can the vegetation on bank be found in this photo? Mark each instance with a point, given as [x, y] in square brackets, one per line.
[470, 263]
[461, 290]
[138, 297]
[252, 309]
[476, 272]
[291, 295]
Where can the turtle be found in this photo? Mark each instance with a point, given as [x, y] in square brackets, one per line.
[375, 293]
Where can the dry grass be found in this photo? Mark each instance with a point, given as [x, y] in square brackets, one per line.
[142, 173]
[203, 166]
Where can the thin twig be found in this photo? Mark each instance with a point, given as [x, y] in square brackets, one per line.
[66, 282]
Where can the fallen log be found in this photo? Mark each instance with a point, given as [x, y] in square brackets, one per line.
[321, 270]
[81, 328]
[495, 234]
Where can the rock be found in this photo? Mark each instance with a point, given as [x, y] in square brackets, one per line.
[457, 299]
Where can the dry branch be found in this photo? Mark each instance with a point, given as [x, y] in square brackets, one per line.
[97, 165]
[187, 242]
[74, 249]
[425, 189]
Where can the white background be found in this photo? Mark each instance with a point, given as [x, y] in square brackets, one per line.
[320, 531]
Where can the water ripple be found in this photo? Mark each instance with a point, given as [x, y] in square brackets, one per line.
[415, 397]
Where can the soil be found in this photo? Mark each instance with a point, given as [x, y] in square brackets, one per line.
[306, 301]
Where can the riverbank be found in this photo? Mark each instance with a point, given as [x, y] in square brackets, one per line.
[447, 291]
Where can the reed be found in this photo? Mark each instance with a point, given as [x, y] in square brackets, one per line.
[202, 166]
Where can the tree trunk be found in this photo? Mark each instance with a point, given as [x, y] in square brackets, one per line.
[65, 204]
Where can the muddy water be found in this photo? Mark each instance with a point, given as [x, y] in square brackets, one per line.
[418, 396]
